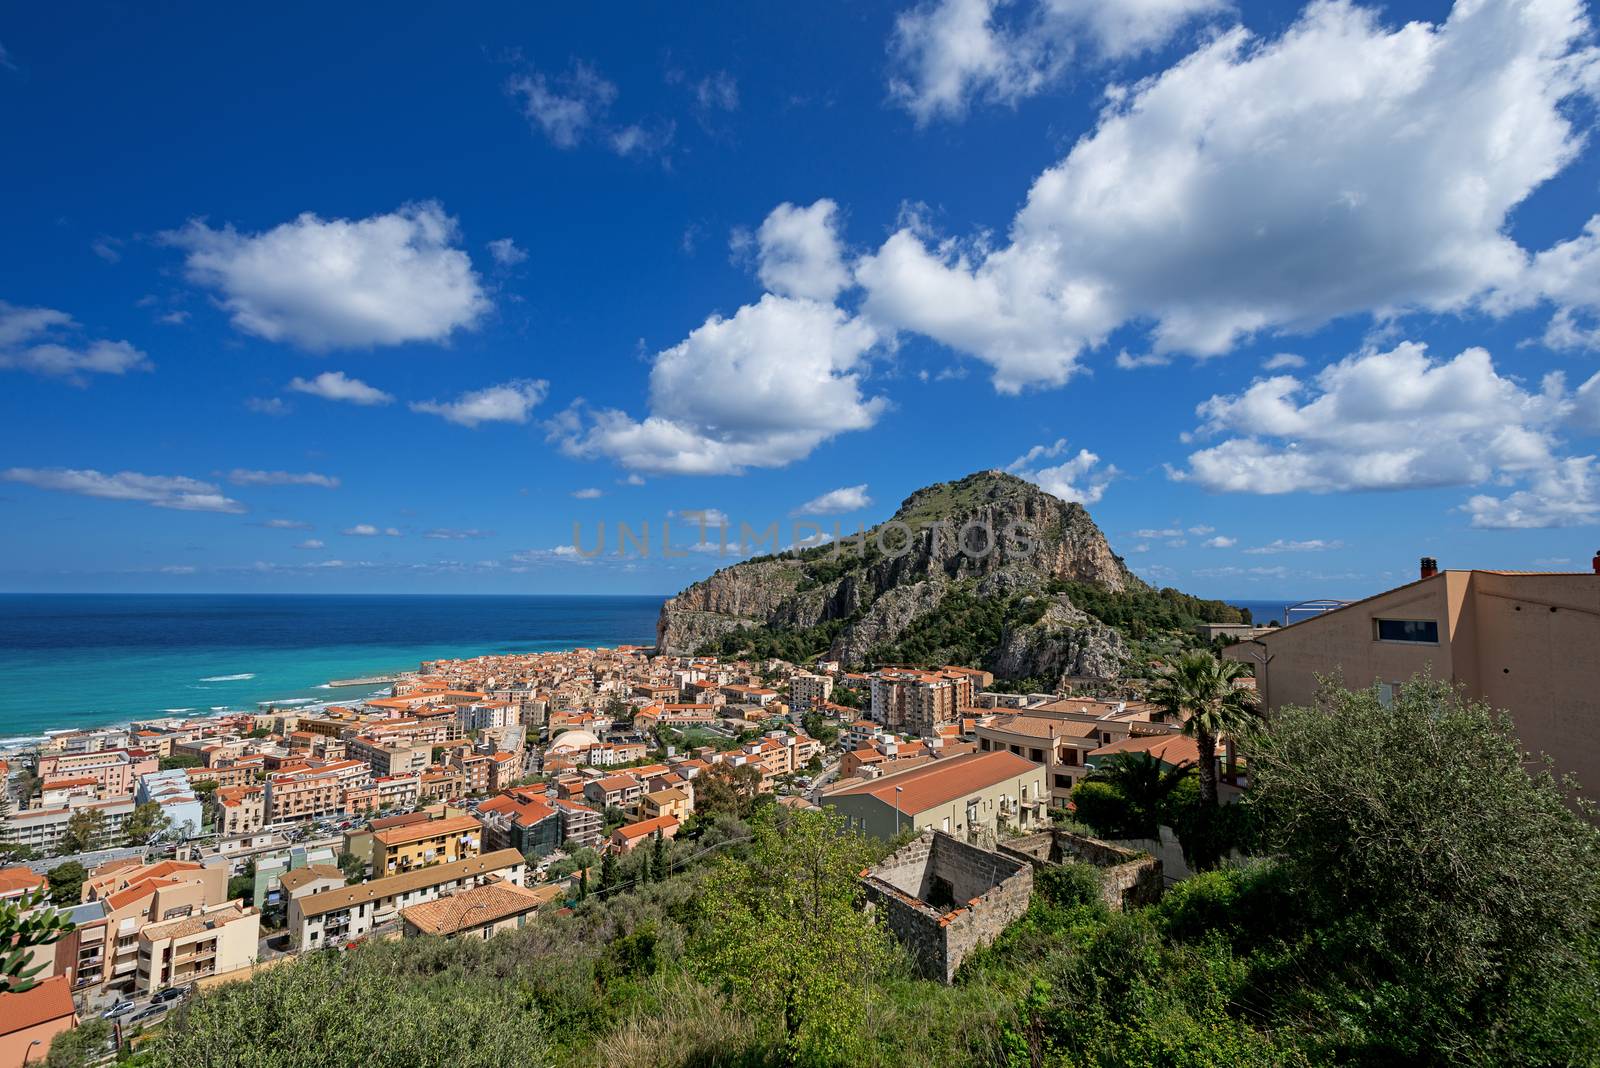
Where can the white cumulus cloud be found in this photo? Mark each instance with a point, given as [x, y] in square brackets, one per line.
[949, 53]
[337, 386]
[836, 502]
[1342, 168]
[32, 339]
[800, 253]
[1401, 420]
[1078, 478]
[368, 530]
[509, 402]
[341, 283]
[1280, 545]
[161, 491]
[763, 388]
[506, 253]
[241, 477]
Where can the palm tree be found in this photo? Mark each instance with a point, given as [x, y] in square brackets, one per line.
[1200, 690]
[1144, 781]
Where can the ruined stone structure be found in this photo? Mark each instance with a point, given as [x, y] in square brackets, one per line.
[1128, 878]
[943, 898]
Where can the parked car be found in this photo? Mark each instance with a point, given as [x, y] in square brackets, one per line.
[171, 994]
[121, 1008]
[146, 1015]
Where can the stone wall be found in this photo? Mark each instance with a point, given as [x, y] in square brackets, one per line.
[943, 898]
[1128, 879]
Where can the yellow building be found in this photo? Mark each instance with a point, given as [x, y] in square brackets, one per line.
[1525, 642]
[418, 845]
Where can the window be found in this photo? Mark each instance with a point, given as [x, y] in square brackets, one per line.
[1421, 631]
[1063, 782]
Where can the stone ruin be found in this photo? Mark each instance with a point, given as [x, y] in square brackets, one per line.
[1128, 878]
[943, 898]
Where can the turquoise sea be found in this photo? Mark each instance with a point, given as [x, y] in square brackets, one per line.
[79, 660]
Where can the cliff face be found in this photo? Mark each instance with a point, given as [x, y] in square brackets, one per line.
[990, 544]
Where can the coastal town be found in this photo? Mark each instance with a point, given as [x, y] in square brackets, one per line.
[480, 792]
[475, 795]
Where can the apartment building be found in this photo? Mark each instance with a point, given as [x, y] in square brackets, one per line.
[475, 770]
[239, 810]
[672, 802]
[807, 692]
[613, 791]
[240, 772]
[976, 797]
[213, 941]
[335, 916]
[919, 701]
[442, 784]
[487, 715]
[387, 758]
[304, 795]
[420, 845]
[115, 771]
[579, 823]
[176, 797]
[527, 823]
[133, 895]
[43, 828]
[1524, 642]
[385, 791]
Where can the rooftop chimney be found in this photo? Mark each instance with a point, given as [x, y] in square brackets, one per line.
[1430, 566]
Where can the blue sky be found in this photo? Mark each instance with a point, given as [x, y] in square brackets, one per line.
[348, 300]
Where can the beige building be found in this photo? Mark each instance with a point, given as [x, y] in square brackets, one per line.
[303, 795]
[1525, 642]
[807, 691]
[919, 701]
[213, 941]
[419, 845]
[389, 757]
[976, 797]
[311, 879]
[335, 916]
[239, 809]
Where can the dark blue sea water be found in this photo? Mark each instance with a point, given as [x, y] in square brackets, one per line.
[77, 660]
[1264, 612]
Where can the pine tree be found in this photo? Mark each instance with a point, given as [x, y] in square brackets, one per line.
[658, 857]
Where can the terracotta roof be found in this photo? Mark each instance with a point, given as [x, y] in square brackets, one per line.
[1042, 727]
[418, 832]
[644, 828]
[1168, 748]
[480, 905]
[943, 781]
[50, 1000]
[19, 880]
